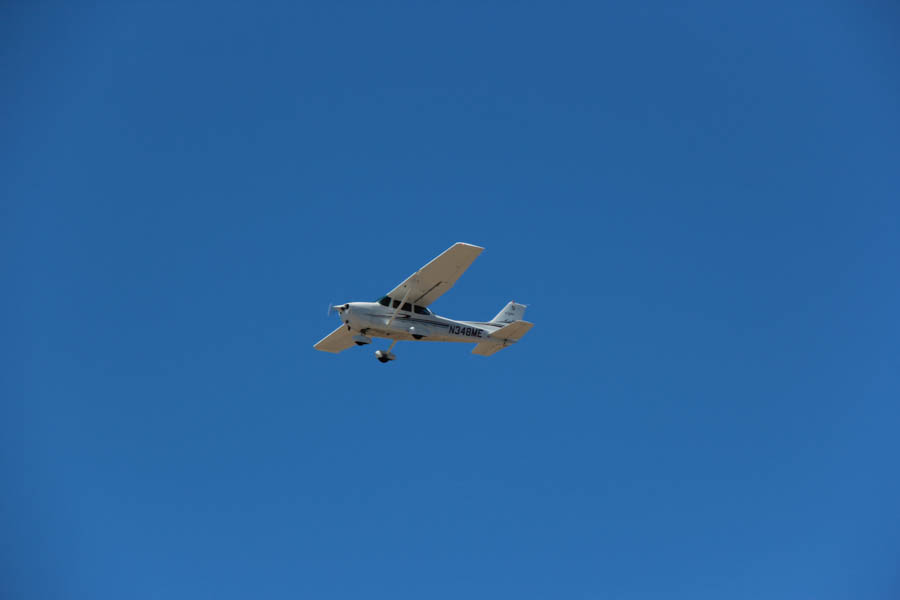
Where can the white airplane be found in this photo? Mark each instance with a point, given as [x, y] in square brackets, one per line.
[403, 314]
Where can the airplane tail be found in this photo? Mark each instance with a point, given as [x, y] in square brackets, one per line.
[505, 336]
[511, 312]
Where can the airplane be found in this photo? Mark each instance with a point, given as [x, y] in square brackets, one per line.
[403, 313]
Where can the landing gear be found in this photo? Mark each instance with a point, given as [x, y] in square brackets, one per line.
[386, 355]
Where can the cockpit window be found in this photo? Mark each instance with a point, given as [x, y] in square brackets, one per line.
[389, 302]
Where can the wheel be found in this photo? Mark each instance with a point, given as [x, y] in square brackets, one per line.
[383, 356]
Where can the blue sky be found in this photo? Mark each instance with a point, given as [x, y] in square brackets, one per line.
[699, 204]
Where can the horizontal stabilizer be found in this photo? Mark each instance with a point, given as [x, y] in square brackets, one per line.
[503, 337]
[487, 348]
[514, 331]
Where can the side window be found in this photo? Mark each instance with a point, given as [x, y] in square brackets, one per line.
[422, 310]
[407, 307]
[396, 303]
[385, 301]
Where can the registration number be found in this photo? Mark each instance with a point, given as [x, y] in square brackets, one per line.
[467, 331]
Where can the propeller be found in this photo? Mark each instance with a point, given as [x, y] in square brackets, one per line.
[337, 307]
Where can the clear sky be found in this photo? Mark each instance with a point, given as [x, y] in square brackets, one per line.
[699, 202]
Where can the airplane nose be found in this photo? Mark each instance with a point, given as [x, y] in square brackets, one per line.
[340, 308]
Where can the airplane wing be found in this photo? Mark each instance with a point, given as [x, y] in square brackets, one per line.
[430, 282]
[337, 341]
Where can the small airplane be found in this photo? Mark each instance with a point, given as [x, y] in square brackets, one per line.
[403, 313]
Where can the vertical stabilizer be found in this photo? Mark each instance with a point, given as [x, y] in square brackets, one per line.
[511, 312]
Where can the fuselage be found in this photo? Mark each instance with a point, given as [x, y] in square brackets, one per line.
[380, 319]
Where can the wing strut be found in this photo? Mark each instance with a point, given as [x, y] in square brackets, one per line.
[402, 302]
